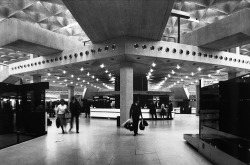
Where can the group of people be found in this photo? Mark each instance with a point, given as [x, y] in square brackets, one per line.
[166, 110]
[135, 113]
[74, 109]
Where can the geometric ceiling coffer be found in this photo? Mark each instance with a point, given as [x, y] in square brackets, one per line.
[230, 32]
[19, 35]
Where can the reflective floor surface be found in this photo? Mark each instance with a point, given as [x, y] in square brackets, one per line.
[101, 142]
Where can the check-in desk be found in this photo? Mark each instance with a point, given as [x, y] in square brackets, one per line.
[113, 113]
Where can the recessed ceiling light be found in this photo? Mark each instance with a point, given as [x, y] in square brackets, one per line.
[71, 82]
[81, 69]
[78, 78]
[209, 75]
[106, 71]
[49, 74]
[151, 70]
[199, 69]
[72, 75]
[173, 72]
[65, 80]
[46, 79]
[186, 77]
[153, 64]
[178, 67]
[97, 79]
[192, 73]
[218, 71]
[58, 78]
[54, 81]
[93, 76]
[110, 74]
[64, 72]
[88, 74]
[87, 82]
[102, 65]
[83, 80]
[169, 75]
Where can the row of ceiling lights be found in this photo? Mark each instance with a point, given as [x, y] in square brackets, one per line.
[88, 74]
[173, 72]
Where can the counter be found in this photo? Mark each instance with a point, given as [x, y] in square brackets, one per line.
[113, 113]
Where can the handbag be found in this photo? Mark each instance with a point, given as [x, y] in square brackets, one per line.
[141, 126]
[145, 123]
[58, 123]
[67, 115]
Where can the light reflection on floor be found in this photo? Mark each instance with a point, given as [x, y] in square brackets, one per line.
[101, 142]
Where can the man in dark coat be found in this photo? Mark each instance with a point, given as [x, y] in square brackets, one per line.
[170, 109]
[152, 110]
[75, 112]
[135, 113]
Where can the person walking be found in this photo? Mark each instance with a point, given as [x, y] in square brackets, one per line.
[152, 110]
[163, 111]
[135, 113]
[75, 112]
[170, 109]
[61, 109]
[87, 108]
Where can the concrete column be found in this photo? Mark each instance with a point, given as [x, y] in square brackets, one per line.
[235, 50]
[35, 78]
[231, 75]
[126, 90]
[197, 99]
[70, 92]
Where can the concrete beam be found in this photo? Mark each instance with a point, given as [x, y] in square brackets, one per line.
[182, 52]
[19, 35]
[82, 54]
[162, 49]
[229, 32]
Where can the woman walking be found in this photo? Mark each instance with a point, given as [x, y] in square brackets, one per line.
[61, 110]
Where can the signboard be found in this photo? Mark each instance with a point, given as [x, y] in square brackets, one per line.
[207, 82]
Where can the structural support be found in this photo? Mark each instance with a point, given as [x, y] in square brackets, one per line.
[197, 99]
[35, 78]
[232, 75]
[126, 90]
[70, 93]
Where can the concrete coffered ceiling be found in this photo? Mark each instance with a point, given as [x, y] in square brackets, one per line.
[54, 16]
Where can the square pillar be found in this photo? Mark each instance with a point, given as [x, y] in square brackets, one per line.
[126, 90]
[197, 99]
[35, 78]
[71, 89]
[232, 75]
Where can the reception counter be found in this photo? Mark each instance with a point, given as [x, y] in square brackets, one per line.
[113, 113]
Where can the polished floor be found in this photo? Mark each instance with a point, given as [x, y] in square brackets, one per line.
[100, 142]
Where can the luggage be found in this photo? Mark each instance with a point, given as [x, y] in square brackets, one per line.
[49, 122]
[141, 126]
[67, 115]
[145, 123]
